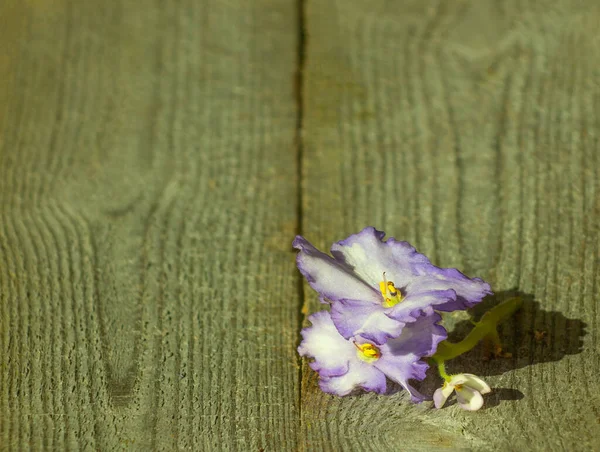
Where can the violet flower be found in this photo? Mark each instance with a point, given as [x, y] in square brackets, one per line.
[347, 365]
[376, 287]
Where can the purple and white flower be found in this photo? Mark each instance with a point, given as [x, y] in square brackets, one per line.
[377, 287]
[347, 365]
[468, 389]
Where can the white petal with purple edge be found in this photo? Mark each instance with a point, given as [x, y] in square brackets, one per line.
[378, 327]
[370, 257]
[420, 338]
[359, 375]
[468, 291]
[469, 399]
[321, 341]
[416, 304]
[340, 369]
[401, 357]
[353, 317]
[401, 369]
[330, 278]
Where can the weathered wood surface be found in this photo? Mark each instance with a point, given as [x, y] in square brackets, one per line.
[149, 196]
[470, 129]
[148, 294]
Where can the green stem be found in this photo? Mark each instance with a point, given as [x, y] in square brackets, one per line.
[442, 370]
[486, 327]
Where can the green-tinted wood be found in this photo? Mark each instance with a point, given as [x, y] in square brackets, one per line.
[469, 128]
[148, 297]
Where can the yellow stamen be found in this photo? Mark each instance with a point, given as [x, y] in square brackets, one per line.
[391, 295]
[382, 288]
[391, 289]
[367, 352]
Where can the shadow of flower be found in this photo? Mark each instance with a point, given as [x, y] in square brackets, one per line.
[532, 335]
[499, 394]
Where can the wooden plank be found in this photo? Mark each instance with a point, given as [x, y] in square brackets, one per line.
[469, 128]
[148, 296]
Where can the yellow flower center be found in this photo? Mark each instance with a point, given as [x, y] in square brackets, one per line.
[367, 352]
[391, 295]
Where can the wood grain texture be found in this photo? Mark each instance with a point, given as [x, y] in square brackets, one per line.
[148, 197]
[471, 129]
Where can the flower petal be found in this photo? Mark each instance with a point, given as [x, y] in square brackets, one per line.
[401, 357]
[447, 389]
[340, 370]
[414, 305]
[359, 375]
[469, 399]
[321, 341]
[476, 383]
[369, 257]
[401, 369]
[469, 291]
[333, 280]
[415, 396]
[419, 338]
[352, 317]
[440, 396]
[457, 379]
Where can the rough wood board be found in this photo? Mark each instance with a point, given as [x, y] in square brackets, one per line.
[148, 198]
[148, 296]
[471, 129]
